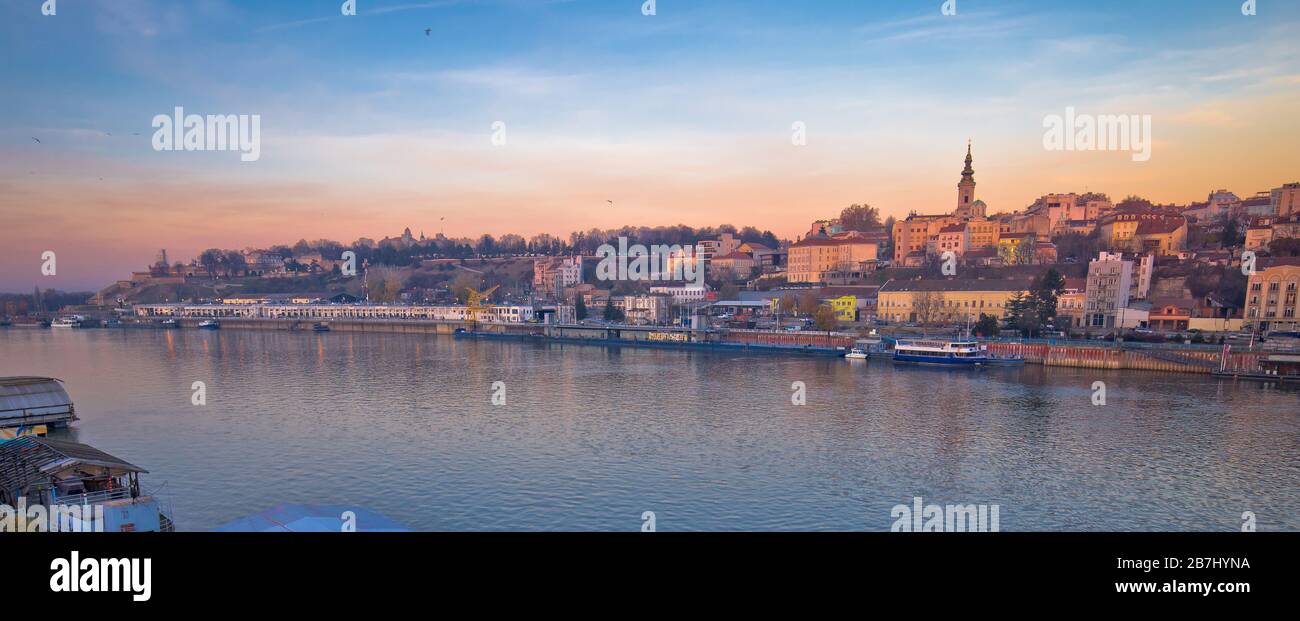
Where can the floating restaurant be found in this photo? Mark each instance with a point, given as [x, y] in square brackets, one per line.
[33, 405]
[58, 473]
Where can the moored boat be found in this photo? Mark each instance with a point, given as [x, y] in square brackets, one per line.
[857, 353]
[94, 490]
[320, 326]
[66, 322]
[209, 324]
[940, 352]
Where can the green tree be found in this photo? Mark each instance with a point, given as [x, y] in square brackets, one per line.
[1020, 314]
[987, 326]
[1047, 290]
[579, 307]
[611, 312]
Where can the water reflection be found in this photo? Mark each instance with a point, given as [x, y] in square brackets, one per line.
[591, 437]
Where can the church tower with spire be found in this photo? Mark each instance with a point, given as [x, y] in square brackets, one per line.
[967, 206]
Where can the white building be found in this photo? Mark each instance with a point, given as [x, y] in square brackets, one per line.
[552, 274]
[725, 244]
[324, 312]
[1110, 280]
[685, 294]
[644, 309]
[1143, 267]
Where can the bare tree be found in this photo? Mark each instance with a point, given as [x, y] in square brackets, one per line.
[927, 306]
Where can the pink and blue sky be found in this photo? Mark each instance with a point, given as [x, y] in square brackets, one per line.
[369, 125]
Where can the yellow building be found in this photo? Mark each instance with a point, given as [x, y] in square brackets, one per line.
[1258, 236]
[1287, 202]
[1271, 295]
[1158, 230]
[813, 259]
[1016, 248]
[845, 307]
[946, 302]
[1164, 237]
[913, 233]
[983, 233]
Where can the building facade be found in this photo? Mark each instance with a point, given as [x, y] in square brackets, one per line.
[946, 302]
[1107, 293]
[1271, 297]
[551, 275]
[817, 258]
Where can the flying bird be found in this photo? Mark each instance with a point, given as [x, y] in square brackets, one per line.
[36, 139]
[427, 31]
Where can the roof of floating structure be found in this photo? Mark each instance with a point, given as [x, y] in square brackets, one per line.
[32, 393]
[27, 459]
[311, 519]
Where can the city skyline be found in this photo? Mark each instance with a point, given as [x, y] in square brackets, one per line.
[685, 117]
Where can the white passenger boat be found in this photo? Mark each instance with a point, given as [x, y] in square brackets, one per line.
[948, 353]
[66, 322]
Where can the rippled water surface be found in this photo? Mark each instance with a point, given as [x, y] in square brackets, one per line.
[591, 437]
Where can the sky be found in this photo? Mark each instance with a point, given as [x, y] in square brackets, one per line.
[611, 117]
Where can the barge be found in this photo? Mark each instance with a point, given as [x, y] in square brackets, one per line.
[648, 336]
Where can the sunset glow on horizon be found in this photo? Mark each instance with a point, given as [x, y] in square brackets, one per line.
[612, 118]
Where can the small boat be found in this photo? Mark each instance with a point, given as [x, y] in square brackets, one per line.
[66, 322]
[857, 353]
[5, 323]
[947, 353]
[209, 324]
[320, 326]
[169, 323]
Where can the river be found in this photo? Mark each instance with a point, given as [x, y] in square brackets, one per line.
[591, 438]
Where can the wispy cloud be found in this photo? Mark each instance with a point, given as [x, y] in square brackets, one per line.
[363, 11]
[934, 26]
